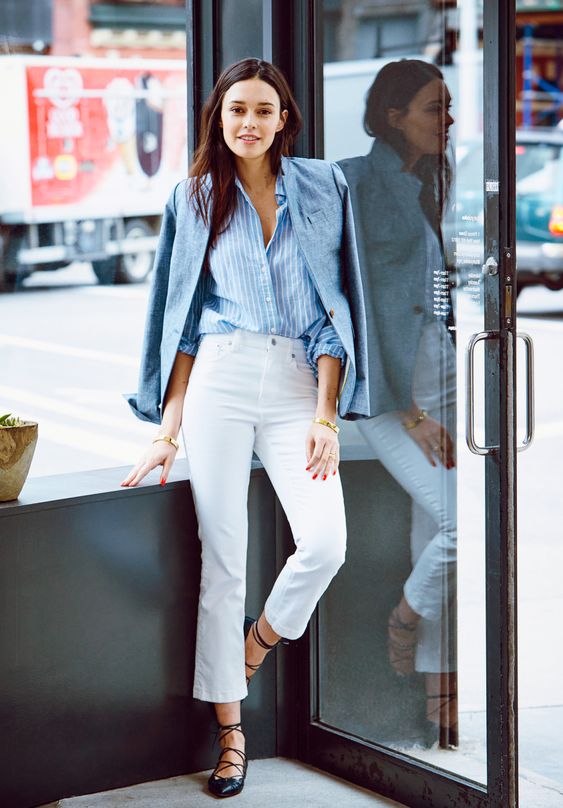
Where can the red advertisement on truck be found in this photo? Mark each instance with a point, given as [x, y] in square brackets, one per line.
[91, 151]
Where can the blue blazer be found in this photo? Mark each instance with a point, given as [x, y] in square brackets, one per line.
[321, 216]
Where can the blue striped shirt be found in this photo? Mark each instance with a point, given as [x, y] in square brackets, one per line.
[267, 290]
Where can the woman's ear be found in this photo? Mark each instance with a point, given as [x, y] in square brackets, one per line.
[394, 117]
[282, 121]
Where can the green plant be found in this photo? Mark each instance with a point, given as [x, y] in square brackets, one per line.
[8, 420]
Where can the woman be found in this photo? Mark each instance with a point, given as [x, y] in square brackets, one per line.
[249, 334]
[399, 191]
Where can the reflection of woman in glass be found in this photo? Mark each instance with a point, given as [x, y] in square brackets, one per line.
[398, 193]
[252, 249]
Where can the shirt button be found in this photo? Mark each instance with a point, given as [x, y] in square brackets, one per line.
[331, 312]
[273, 331]
[263, 268]
[417, 309]
[268, 300]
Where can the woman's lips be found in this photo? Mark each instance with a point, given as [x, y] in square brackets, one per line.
[249, 139]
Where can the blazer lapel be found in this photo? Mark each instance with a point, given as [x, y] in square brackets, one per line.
[305, 224]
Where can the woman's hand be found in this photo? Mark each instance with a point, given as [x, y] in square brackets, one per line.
[322, 451]
[435, 441]
[158, 454]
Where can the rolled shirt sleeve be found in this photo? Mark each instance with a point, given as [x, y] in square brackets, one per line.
[189, 342]
[321, 339]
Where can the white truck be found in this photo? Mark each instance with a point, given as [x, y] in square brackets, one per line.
[90, 149]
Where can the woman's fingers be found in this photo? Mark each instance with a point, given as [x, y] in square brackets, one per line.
[142, 472]
[166, 468]
[428, 448]
[450, 451]
[309, 449]
[132, 474]
[324, 460]
[332, 464]
[315, 459]
[155, 457]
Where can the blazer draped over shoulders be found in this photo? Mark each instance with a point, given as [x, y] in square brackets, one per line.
[321, 215]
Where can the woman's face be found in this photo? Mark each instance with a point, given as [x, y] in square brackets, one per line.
[426, 120]
[251, 117]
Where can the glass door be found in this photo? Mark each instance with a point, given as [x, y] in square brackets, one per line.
[411, 662]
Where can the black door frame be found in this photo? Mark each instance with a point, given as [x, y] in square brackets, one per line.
[290, 34]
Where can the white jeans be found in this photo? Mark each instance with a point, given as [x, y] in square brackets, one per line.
[252, 392]
[430, 588]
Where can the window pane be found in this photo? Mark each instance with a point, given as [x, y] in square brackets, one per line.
[95, 142]
[402, 628]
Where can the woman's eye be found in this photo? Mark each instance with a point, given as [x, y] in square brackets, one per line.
[236, 109]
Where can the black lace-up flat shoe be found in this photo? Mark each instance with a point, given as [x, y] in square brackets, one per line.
[221, 786]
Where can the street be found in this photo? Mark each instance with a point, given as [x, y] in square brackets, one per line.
[69, 348]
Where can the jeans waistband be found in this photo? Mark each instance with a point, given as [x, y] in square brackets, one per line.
[285, 347]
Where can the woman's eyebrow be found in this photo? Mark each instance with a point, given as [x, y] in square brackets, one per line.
[260, 103]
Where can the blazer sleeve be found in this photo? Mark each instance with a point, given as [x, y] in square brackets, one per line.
[352, 282]
[146, 402]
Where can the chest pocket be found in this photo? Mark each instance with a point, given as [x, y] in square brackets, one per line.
[325, 227]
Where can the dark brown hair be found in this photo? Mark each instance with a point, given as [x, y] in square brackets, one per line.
[213, 190]
[394, 87]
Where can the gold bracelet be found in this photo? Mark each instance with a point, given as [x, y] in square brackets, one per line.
[324, 422]
[167, 439]
[418, 420]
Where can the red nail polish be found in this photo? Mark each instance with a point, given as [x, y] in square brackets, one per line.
[324, 476]
[333, 473]
[315, 476]
[162, 481]
[308, 468]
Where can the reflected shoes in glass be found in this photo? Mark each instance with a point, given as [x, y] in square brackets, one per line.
[401, 644]
[251, 626]
[219, 785]
[438, 706]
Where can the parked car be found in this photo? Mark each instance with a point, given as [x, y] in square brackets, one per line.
[539, 207]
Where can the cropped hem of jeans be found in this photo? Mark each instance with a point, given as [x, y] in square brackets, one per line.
[417, 605]
[283, 631]
[220, 697]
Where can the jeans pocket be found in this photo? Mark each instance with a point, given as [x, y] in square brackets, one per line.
[301, 365]
[214, 350]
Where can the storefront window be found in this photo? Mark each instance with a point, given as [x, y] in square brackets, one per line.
[403, 116]
[94, 143]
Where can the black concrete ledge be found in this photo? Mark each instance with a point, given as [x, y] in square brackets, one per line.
[57, 490]
[99, 588]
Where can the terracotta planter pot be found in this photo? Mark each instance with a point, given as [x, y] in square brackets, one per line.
[17, 445]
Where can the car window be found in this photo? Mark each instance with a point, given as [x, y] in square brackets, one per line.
[538, 168]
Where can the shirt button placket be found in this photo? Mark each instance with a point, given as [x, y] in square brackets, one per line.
[268, 296]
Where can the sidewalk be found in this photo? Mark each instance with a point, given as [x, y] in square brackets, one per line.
[276, 782]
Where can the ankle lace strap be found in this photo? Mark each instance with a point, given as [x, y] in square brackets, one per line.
[260, 640]
[224, 729]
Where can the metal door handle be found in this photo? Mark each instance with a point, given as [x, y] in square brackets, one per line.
[530, 390]
[469, 384]
[470, 378]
